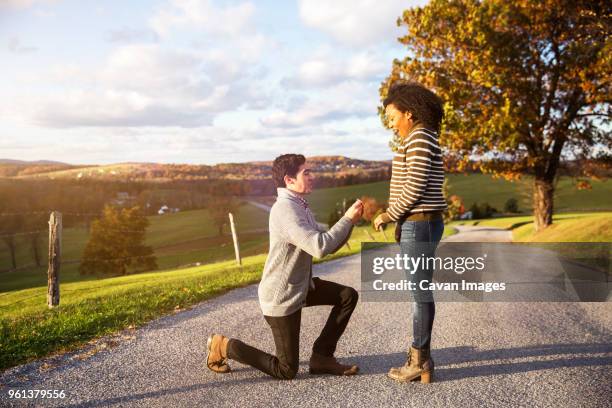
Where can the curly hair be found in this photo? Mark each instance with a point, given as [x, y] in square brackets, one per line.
[424, 105]
[286, 165]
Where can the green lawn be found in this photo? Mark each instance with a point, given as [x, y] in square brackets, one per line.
[592, 227]
[28, 329]
[93, 308]
[163, 230]
[188, 237]
[323, 201]
[566, 227]
[478, 188]
[89, 309]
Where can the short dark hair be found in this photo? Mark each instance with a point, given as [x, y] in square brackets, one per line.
[286, 165]
[424, 105]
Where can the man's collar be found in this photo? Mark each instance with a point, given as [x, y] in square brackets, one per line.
[283, 192]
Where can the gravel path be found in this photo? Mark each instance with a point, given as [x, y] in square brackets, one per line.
[486, 354]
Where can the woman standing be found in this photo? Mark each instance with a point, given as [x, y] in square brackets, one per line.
[416, 203]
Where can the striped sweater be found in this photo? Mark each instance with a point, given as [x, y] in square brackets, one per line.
[416, 176]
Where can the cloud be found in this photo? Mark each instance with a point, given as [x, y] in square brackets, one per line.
[356, 22]
[15, 46]
[147, 85]
[207, 144]
[351, 99]
[228, 30]
[113, 108]
[198, 81]
[147, 80]
[327, 68]
[202, 15]
[16, 4]
[131, 35]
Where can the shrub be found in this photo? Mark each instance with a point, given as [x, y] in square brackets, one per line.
[454, 208]
[116, 244]
[511, 206]
[480, 211]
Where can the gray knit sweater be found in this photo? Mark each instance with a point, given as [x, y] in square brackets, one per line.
[295, 237]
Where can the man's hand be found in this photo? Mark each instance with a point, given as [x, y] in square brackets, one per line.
[379, 222]
[355, 211]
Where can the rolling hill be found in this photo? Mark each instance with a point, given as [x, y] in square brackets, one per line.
[167, 172]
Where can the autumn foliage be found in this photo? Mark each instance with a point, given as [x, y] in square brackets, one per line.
[525, 83]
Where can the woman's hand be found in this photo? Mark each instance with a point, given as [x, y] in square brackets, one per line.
[379, 222]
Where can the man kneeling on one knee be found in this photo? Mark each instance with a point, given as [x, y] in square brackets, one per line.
[287, 284]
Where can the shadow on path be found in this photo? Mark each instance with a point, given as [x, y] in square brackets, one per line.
[380, 364]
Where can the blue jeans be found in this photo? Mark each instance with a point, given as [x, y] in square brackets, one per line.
[420, 239]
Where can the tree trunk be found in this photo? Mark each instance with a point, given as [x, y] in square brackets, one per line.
[543, 191]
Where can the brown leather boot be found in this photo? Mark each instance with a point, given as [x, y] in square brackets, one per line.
[216, 357]
[420, 365]
[320, 364]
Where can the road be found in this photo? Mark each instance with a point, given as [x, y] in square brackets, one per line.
[480, 234]
[486, 354]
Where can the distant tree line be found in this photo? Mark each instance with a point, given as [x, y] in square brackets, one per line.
[25, 203]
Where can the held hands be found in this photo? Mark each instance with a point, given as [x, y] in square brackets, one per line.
[379, 222]
[355, 211]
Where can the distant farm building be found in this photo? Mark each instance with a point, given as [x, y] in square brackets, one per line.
[164, 209]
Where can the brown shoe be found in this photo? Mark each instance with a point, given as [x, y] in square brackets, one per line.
[320, 364]
[420, 365]
[216, 357]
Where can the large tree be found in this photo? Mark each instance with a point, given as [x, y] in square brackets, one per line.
[525, 83]
[117, 243]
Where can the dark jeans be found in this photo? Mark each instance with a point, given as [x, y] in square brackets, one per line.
[420, 239]
[286, 332]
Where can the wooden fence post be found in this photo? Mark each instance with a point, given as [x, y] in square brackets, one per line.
[235, 238]
[55, 253]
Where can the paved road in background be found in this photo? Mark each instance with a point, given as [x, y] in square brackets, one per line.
[480, 234]
[486, 354]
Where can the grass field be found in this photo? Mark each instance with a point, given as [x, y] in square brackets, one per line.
[89, 309]
[567, 227]
[590, 227]
[177, 239]
[94, 306]
[188, 237]
[479, 188]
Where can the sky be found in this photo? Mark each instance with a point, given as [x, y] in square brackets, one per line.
[194, 81]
